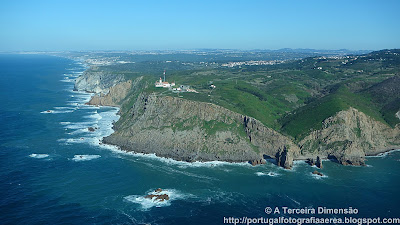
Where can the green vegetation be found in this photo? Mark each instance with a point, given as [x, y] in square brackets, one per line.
[311, 116]
[293, 97]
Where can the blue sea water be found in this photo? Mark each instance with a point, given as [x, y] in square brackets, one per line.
[54, 171]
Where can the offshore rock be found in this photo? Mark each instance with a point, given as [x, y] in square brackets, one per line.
[257, 162]
[318, 162]
[317, 173]
[310, 161]
[284, 158]
[159, 198]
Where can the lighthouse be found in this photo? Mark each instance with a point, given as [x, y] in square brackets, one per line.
[164, 83]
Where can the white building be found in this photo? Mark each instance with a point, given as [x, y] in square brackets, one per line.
[163, 84]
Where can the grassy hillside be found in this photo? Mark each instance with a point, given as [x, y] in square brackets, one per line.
[292, 97]
[305, 119]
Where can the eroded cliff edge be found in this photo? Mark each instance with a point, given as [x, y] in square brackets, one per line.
[196, 131]
[349, 136]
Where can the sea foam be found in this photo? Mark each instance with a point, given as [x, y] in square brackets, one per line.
[147, 203]
[78, 158]
[39, 156]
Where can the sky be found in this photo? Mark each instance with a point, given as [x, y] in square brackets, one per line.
[178, 25]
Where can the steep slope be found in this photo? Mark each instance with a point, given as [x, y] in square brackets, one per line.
[95, 80]
[349, 136]
[197, 131]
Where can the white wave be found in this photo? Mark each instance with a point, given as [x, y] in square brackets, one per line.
[72, 140]
[57, 111]
[147, 203]
[39, 156]
[271, 174]
[68, 80]
[96, 116]
[78, 158]
[169, 161]
[64, 107]
[318, 177]
[47, 111]
[80, 131]
[90, 107]
[65, 123]
[383, 154]
[80, 125]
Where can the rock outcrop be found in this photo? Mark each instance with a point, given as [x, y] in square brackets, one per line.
[318, 162]
[114, 96]
[256, 162]
[317, 173]
[95, 80]
[315, 162]
[349, 136]
[284, 158]
[197, 131]
[158, 197]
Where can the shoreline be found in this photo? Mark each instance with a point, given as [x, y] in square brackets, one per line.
[177, 159]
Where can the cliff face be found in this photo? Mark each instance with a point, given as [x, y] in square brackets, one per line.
[97, 81]
[197, 131]
[115, 94]
[349, 136]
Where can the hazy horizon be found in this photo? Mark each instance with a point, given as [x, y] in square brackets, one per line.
[181, 25]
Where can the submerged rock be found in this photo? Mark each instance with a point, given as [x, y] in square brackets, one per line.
[158, 197]
[318, 173]
[257, 162]
[310, 161]
[91, 129]
[317, 162]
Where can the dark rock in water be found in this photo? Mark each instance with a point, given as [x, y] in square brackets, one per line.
[257, 162]
[160, 198]
[284, 158]
[310, 161]
[318, 163]
[91, 129]
[318, 173]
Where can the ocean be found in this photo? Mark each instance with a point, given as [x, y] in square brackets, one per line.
[55, 171]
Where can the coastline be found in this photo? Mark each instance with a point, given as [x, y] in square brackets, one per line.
[166, 155]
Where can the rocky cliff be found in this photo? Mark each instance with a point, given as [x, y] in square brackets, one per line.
[95, 80]
[115, 94]
[197, 131]
[349, 136]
